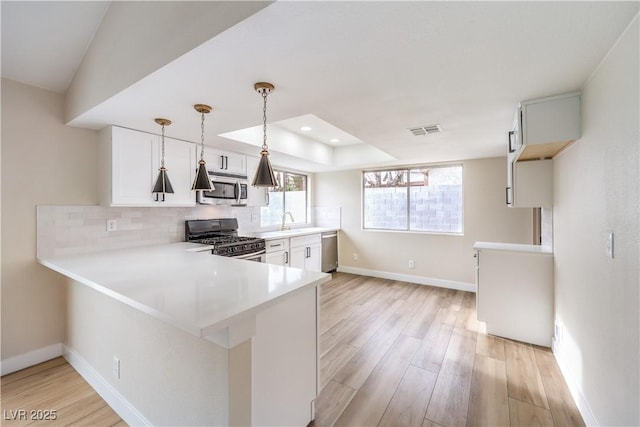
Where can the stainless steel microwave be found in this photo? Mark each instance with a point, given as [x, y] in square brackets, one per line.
[227, 189]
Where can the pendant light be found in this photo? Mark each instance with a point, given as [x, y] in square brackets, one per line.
[264, 176]
[202, 181]
[163, 185]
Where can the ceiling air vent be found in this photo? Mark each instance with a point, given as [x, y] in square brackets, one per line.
[425, 130]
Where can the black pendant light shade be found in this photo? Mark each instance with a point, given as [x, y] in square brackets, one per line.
[202, 182]
[264, 176]
[163, 185]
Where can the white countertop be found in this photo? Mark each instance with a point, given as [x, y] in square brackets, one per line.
[534, 249]
[194, 291]
[277, 234]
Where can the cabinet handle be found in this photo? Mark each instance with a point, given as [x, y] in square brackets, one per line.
[226, 162]
[275, 246]
[507, 191]
[512, 145]
[286, 257]
[266, 197]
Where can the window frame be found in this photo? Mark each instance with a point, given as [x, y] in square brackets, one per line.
[305, 220]
[408, 170]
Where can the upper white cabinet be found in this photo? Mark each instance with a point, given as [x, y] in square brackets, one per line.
[225, 162]
[256, 196]
[541, 129]
[545, 126]
[129, 163]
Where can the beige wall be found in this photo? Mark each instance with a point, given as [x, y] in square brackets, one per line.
[438, 256]
[596, 190]
[43, 162]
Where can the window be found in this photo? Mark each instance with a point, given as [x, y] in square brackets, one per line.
[425, 198]
[289, 196]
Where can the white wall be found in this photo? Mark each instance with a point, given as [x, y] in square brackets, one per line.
[596, 190]
[437, 256]
[43, 162]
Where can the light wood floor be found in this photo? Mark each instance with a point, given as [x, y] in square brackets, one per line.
[48, 388]
[401, 354]
[392, 354]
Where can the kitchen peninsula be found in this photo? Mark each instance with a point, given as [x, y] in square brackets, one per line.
[177, 337]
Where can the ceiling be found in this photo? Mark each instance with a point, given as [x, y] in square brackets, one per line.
[367, 70]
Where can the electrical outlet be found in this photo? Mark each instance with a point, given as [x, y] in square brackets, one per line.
[355, 257]
[558, 333]
[254, 217]
[412, 264]
[112, 225]
[116, 367]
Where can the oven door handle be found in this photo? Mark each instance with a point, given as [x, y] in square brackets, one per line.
[251, 255]
[237, 191]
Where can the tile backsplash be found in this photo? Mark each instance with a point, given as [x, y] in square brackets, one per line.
[70, 230]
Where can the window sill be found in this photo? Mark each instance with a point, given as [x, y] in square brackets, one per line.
[437, 233]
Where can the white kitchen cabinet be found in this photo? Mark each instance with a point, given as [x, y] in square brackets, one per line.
[306, 252]
[544, 126]
[225, 162]
[129, 166]
[256, 196]
[277, 251]
[514, 294]
[530, 184]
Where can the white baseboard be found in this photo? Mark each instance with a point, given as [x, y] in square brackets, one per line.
[118, 403]
[421, 280]
[581, 401]
[21, 361]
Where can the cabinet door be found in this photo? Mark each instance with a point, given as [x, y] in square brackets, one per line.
[313, 262]
[180, 161]
[255, 196]
[533, 184]
[278, 258]
[298, 257]
[226, 162]
[133, 167]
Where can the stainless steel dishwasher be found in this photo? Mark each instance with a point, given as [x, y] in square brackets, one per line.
[329, 251]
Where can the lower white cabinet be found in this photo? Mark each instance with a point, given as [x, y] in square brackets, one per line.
[129, 166]
[514, 294]
[306, 252]
[277, 252]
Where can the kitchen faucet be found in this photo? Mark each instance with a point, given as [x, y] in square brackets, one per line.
[284, 218]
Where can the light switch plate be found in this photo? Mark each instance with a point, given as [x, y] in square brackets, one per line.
[609, 244]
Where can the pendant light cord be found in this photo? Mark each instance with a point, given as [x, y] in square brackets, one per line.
[162, 161]
[202, 136]
[264, 121]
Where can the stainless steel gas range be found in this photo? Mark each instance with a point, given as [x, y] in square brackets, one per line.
[222, 234]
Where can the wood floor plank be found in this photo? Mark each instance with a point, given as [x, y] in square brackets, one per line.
[523, 379]
[563, 410]
[409, 403]
[331, 402]
[525, 414]
[489, 400]
[490, 346]
[434, 345]
[360, 366]
[428, 423]
[33, 370]
[54, 386]
[467, 315]
[424, 316]
[368, 405]
[365, 328]
[450, 399]
[334, 360]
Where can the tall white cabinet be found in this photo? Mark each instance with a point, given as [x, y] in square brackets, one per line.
[129, 163]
